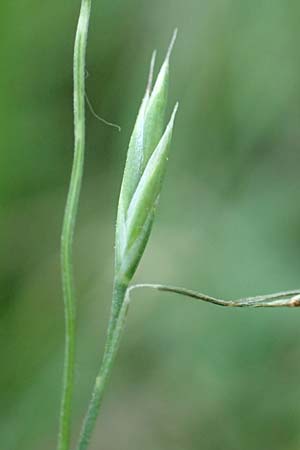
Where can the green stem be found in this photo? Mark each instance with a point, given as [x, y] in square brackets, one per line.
[279, 299]
[120, 303]
[69, 223]
[119, 310]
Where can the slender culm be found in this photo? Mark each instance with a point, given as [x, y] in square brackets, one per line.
[144, 172]
[142, 181]
[115, 329]
[69, 223]
[289, 299]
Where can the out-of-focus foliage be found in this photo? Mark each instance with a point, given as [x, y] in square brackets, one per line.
[188, 376]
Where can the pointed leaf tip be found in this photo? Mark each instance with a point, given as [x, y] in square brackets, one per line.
[171, 46]
[151, 70]
[149, 186]
[144, 170]
[174, 112]
[170, 124]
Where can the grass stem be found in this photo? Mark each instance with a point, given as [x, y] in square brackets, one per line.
[119, 310]
[69, 223]
[279, 299]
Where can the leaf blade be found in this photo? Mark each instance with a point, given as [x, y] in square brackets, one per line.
[149, 186]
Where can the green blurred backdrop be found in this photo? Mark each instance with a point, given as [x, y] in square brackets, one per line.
[189, 376]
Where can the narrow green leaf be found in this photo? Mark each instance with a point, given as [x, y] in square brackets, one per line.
[148, 128]
[156, 108]
[134, 160]
[131, 258]
[144, 171]
[149, 186]
[133, 168]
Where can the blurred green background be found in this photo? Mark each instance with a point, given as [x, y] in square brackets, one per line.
[189, 376]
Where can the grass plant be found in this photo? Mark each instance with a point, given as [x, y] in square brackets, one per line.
[144, 172]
